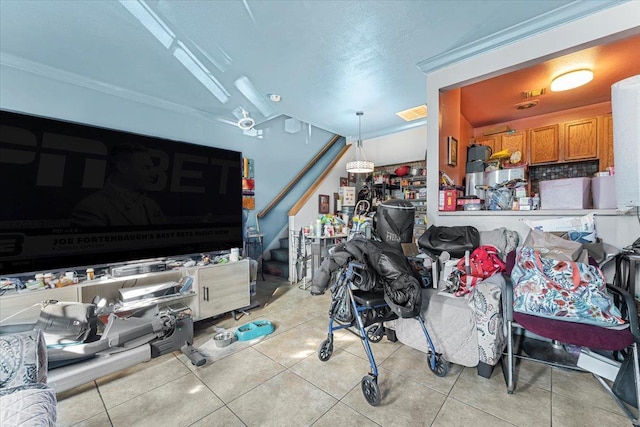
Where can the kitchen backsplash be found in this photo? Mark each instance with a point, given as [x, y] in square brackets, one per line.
[559, 171]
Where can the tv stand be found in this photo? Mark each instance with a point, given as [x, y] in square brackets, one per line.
[217, 289]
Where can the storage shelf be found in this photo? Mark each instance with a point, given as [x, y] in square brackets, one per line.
[416, 184]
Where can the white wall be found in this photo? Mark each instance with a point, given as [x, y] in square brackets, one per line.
[618, 21]
[406, 146]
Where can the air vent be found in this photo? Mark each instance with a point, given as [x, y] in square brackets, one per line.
[533, 93]
[414, 113]
[526, 105]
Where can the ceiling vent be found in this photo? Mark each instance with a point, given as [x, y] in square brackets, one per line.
[414, 113]
[527, 104]
[533, 93]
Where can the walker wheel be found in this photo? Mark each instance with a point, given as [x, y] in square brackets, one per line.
[371, 390]
[375, 333]
[441, 367]
[325, 351]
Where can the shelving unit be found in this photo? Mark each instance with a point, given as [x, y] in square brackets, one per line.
[412, 188]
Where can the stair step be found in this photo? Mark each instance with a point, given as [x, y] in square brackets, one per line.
[284, 242]
[276, 268]
[280, 254]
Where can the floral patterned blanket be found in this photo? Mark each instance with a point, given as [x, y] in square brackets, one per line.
[562, 290]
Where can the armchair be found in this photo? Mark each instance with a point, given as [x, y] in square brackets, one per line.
[468, 331]
[603, 339]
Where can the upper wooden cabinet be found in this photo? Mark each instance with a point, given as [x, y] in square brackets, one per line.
[490, 141]
[606, 149]
[544, 145]
[581, 139]
[515, 142]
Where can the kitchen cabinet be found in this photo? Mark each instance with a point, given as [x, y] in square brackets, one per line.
[544, 145]
[515, 142]
[581, 139]
[490, 141]
[606, 148]
[577, 140]
[222, 288]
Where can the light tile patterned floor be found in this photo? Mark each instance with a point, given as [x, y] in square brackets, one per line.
[279, 381]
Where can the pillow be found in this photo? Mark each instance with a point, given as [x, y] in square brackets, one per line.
[562, 290]
[23, 359]
[501, 238]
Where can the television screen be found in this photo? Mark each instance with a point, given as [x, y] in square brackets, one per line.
[79, 195]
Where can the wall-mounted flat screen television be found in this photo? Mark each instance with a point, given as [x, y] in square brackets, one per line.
[79, 195]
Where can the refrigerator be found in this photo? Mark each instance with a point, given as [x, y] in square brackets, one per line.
[491, 179]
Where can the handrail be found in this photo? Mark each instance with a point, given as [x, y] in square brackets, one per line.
[296, 178]
[307, 195]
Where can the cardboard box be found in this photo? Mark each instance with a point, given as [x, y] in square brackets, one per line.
[410, 249]
[571, 193]
[447, 200]
[603, 190]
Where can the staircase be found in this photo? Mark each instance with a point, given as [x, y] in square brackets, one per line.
[278, 265]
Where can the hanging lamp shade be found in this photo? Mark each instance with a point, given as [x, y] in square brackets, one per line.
[359, 162]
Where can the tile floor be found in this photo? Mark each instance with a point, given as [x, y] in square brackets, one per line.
[279, 381]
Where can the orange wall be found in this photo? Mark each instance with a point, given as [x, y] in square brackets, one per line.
[450, 126]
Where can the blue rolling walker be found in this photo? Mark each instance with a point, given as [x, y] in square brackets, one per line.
[354, 307]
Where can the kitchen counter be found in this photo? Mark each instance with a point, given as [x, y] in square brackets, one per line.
[539, 212]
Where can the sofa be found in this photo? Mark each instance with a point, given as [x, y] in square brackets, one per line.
[25, 398]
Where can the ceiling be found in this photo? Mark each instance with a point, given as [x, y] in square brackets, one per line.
[494, 100]
[326, 59]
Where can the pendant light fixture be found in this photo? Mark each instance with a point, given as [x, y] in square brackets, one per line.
[359, 163]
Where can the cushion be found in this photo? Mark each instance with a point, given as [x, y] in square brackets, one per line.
[28, 405]
[579, 334]
[23, 359]
[501, 238]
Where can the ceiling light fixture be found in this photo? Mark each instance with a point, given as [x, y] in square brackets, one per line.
[359, 163]
[571, 80]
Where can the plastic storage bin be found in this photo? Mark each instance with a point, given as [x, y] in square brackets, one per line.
[603, 189]
[571, 193]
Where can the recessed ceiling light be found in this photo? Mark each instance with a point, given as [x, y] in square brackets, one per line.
[414, 113]
[274, 97]
[571, 80]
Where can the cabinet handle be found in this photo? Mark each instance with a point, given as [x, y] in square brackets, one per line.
[207, 288]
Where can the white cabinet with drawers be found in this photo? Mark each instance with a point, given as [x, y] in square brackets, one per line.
[217, 289]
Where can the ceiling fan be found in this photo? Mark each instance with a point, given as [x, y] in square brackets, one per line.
[246, 122]
[241, 120]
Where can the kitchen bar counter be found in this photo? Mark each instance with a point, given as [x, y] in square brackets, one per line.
[539, 212]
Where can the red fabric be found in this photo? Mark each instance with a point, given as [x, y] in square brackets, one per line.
[484, 262]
